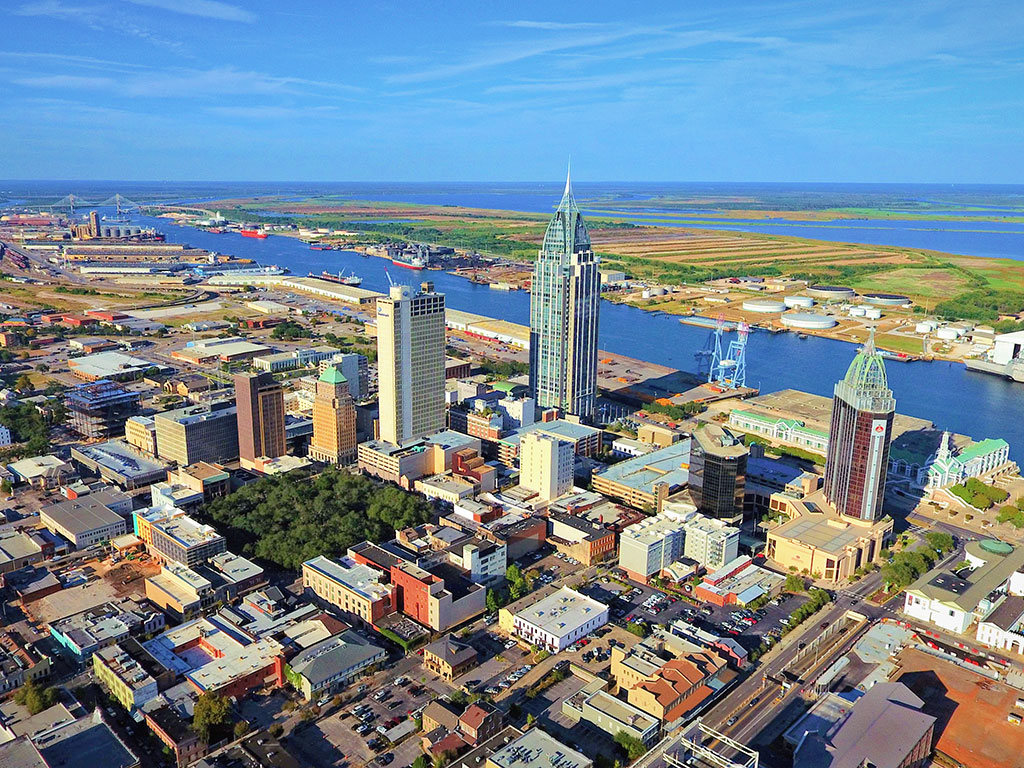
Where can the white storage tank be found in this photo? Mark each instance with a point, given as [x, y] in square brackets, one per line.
[795, 302]
[657, 291]
[857, 311]
[808, 321]
[764, 305]
[924, 327]
[948, 334]
[646, 294]
[873, 314]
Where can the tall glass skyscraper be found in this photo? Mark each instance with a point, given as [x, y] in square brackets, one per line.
[564, 306]
[858, 441]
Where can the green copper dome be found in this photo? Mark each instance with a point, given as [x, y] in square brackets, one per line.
[332, 375]
[566, 232]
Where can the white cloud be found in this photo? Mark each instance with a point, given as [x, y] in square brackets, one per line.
[207, 9]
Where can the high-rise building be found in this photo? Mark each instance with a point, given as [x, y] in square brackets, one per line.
[565, 299]
[718, 470]
[858, 445]
[334, 420]
[94, 224]
[259, 399]
[545, 465]
[355, 368]
[410, 363]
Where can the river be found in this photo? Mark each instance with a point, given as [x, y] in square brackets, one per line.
[945, 393]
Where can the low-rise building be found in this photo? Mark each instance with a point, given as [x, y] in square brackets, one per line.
[174, 537]
[483, 560]
[446, 488]
[324, 668]
[84, 633]
[214, 657]
[739, 582]
[119, 463]
[89, 519]
[647, 480]
[818, 540]
[581, 539]
[559, 620]
[184, 593]
[448, 658]
[209, 479]
[356, 590]
[18, 549]
[536, 749]
[611, 715]
[665, 675]
[885, 728]
[781, 430]
[44, 472]
[954, 601]
[131, 675]
[1003, 627]
[438, 597]
[20, 662]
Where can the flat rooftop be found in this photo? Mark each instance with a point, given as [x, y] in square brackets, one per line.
[561, 612]
[361, 579]
[192, 414]
[536, 749]
[670, 465]
[81, 515]
[108, 364]
[119, 457]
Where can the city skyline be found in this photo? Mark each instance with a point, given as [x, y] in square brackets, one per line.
[913, 92]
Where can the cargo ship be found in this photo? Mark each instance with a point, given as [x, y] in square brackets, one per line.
[259, 234]
[341, 278]
[414, 261]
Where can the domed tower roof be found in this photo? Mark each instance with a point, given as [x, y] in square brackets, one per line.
[566, 232]
[333, 375]
[867, 371]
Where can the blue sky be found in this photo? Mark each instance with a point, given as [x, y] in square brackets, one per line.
[407, 91]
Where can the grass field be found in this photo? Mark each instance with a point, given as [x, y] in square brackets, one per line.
[677, 255]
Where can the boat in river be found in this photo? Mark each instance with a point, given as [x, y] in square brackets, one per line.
[353, 280]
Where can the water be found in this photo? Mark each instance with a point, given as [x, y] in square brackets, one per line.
[947, 394]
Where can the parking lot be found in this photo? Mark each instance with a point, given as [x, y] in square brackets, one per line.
[547, 709]
[641, 602]
[335, 738]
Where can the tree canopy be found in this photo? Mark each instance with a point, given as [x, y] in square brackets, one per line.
[288, 519]
[211, 716]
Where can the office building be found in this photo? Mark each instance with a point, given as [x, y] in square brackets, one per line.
[859, 437]
[579, 538]
[559, 620]
[652, 545]
[140, 433]
[353, 588]
[439, 597]
[118, 463]
[174, 537]
[334, 420]
[99, 410]
[611, 715]
[356, 370]
[545, 465]
[565, 298]
[711, 543]
[259, 399]
[718, 467]
[82, 634]
[410, 363]
[204, 432]
[646, 481]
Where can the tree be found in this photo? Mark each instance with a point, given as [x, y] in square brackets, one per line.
[638, 628]
[530, 720]
[35, 698]
[631, 745]
[210, 714]
[940, 541]
[421, 762]
[241, 728]
[495, 600]
[794, 583]
[517, 583]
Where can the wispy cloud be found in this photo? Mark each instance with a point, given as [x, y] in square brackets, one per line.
[180, 82]
[551, 25]
[102, 18]
[207, 9]
[272, 112]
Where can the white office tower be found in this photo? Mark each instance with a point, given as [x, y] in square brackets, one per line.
[410, 363]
